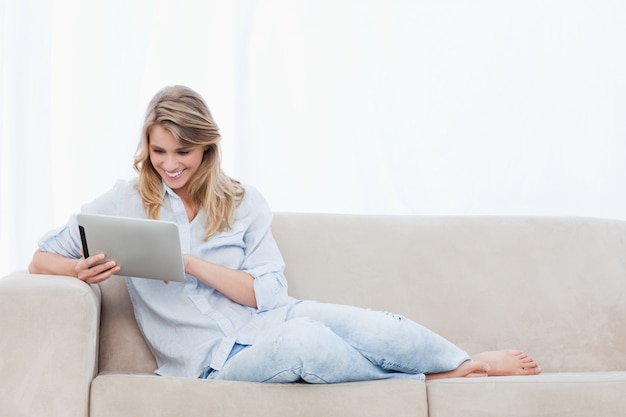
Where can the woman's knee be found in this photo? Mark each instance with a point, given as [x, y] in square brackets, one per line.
[304, 338]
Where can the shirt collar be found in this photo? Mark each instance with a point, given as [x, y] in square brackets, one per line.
[168, 191]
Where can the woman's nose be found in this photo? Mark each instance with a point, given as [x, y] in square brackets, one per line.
[170, 161]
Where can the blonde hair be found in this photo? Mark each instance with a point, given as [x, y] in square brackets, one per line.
[184, 113]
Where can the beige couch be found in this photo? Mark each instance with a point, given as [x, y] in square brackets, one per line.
[554, 287]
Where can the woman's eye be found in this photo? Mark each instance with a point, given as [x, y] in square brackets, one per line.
[158, 150]
[183, 152]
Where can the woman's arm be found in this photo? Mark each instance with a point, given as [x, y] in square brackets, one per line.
[234, 284]
[84, 269]
[258, 279]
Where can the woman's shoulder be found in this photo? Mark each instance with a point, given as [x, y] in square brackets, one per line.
[253, 203]
[252, 196]
[128, 184]
[251, 191]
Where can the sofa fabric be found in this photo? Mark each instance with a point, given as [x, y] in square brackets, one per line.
[554, 287]
[115, 395]
[48, 345]
[554, 394]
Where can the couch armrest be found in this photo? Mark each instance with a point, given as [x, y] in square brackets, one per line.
[48, 345]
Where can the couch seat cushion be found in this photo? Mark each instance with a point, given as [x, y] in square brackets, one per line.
[558, 394]
[116, 395]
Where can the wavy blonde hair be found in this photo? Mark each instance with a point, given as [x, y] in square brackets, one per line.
[184, 113]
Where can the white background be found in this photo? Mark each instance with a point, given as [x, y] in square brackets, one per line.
[467, 107]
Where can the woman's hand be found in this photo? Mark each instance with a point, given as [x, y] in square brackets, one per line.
[86, 270]
[92, 271]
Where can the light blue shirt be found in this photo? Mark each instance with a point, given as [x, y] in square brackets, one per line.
[190, 326]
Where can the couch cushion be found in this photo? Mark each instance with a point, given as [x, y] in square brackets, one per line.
[563, 394]
[122, 346]
[133, 395]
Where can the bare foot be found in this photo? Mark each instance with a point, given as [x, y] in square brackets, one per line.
[508, 362]
[466, 370]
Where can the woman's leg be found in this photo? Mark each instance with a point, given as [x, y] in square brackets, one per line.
[302, 349]
[328, 343]
[390, 341]
[396, 343]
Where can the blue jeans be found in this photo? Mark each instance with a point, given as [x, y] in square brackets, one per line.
[329, 343]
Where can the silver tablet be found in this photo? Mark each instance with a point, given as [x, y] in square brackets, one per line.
[142, 248]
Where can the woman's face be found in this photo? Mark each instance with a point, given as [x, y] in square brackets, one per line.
[176, 164]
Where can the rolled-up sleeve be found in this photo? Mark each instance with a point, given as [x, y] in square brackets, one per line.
[64, 241]
[263, 259]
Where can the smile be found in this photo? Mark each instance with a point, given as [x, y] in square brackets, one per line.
[174, 174]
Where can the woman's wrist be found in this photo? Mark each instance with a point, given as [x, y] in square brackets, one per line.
[186, 262]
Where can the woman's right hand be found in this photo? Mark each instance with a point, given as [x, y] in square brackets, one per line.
[92, 271]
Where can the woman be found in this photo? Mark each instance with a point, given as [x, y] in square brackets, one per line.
[232, 317]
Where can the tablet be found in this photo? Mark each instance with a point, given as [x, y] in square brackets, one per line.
[142, 248]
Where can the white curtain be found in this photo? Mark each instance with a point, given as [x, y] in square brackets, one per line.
[381, 106]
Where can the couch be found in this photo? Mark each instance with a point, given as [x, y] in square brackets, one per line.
[554, 287]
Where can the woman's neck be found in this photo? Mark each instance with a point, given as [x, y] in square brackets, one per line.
[191, 207]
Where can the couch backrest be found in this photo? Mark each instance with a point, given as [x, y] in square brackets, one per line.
[554, 287]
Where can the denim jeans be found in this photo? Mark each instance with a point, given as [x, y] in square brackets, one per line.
[329, 343]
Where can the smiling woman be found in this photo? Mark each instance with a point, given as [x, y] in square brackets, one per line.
[175, 164]
[233, 305]
[180, 145]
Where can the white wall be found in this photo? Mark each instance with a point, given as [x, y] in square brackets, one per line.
[452, 107]
[383, 106]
